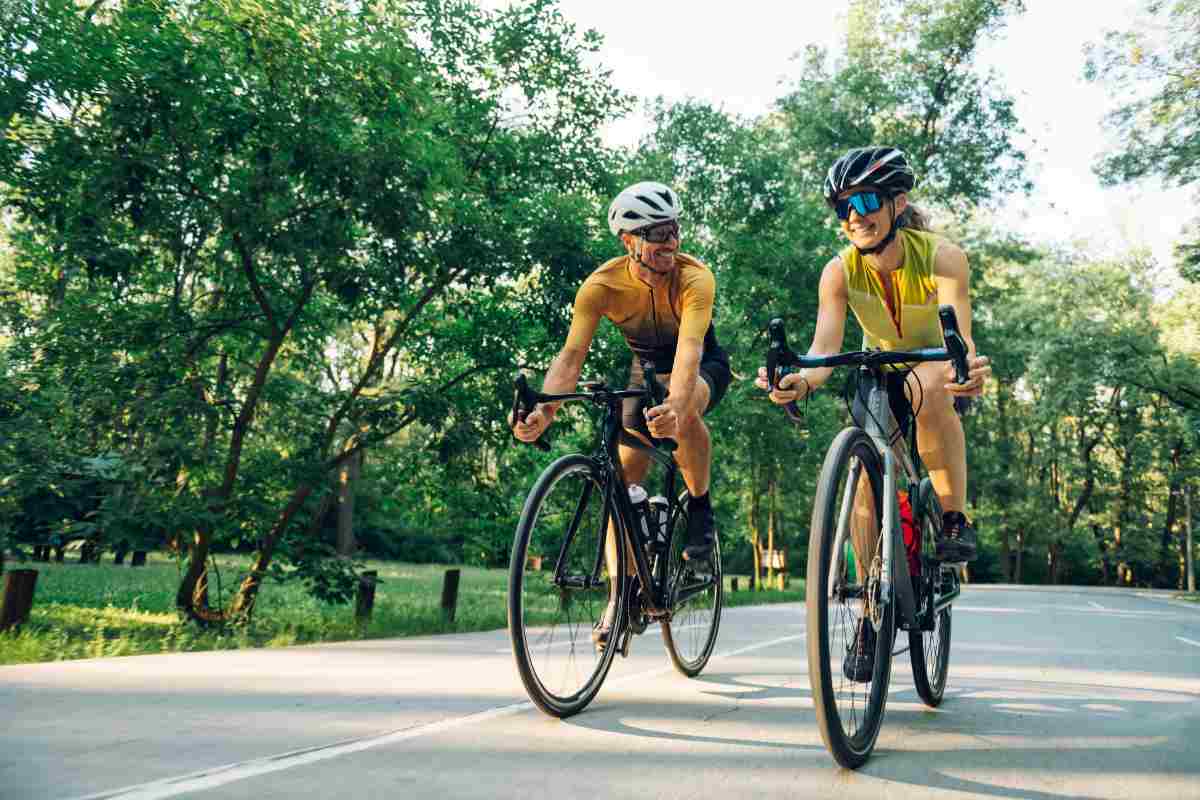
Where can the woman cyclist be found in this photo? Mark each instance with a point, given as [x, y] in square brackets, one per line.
[893, 276]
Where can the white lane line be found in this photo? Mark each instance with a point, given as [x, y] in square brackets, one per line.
[229, 773]
[1188, 641]
[1094, 604]
[993, 609]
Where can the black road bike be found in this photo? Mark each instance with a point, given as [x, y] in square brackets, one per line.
[867, 465]
[560, 576]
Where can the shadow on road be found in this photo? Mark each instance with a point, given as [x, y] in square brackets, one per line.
[1030, 734]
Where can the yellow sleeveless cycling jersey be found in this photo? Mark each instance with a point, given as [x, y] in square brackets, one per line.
[651, 320]
[913, 323]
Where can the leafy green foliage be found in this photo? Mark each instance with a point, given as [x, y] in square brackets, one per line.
[1154, 68]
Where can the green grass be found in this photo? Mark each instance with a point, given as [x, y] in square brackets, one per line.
[95, 611]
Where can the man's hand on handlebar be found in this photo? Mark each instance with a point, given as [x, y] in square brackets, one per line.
[663, 421]
[979, 368]
[792, 387]
[533, 426]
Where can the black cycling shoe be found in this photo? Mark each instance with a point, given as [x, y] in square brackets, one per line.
[701, 534]
[958, 541]
[859, 663]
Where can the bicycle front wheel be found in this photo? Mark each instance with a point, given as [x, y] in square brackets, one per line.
[695, 594]
[850, 622]
[559, 585]
[929, 647]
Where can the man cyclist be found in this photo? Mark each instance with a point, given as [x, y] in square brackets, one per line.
[893, 276]
[662, 302]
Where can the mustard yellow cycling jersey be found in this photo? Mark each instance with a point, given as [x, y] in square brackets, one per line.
[913, 320]
[651, 320]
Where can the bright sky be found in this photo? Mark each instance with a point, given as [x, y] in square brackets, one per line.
[736, 55]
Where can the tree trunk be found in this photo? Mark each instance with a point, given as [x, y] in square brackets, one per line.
[770, 529]
[753, 519]
[1020, 555]
[1005, 448]
[192, 597]
[1105, 566]
[1190, 543]
[348, 474]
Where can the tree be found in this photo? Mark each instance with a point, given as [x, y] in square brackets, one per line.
[1155, 67]
[267, 178]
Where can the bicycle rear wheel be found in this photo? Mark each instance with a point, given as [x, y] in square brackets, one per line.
[695, 595]
[553, 609]
[929, 650]
[840, 602]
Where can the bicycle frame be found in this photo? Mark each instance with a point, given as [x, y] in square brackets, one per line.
[608, 461]
[895, 459]
[612, 436]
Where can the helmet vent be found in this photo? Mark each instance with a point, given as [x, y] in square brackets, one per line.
[650, 202]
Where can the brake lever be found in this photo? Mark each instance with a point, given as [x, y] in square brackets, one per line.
[524, 401]
[955, 344]
[780, 359]
[658, 395]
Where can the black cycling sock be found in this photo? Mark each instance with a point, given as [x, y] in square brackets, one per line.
[949, 517]
[701, 503]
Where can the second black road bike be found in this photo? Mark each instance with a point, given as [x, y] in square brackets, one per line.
[581, 540]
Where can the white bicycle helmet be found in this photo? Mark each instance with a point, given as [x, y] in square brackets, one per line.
[642, 204]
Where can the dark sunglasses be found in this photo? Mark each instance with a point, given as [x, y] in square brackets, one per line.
[657, 234]
[863, 202]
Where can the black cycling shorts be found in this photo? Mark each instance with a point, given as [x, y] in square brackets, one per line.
[714, 370]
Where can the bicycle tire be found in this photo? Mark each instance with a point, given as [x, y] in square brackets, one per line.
[848, 731]
[563, 520]
[929, 651]
[691, 633]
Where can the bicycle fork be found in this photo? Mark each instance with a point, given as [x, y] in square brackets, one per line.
[894, 560]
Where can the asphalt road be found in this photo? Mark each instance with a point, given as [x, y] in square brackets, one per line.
[1052, 694]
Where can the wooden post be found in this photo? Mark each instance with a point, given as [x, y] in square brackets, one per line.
[139, 559]
[733, 584]
[19, 585]
[450, 594]
[364, 601]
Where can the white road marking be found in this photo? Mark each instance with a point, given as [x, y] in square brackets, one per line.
[992, 609]
[1188, 641]
[1094, 604]
[229, 773]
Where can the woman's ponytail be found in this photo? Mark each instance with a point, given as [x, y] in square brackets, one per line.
[915, 219]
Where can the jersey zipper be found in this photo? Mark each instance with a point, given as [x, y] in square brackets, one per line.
[894, 306]
[654, 317]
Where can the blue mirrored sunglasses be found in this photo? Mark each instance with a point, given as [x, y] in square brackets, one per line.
[863, 202]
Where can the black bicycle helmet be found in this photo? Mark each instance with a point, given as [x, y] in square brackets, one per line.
[884, 167]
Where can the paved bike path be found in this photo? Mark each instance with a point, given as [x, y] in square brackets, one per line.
[1049, 697]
